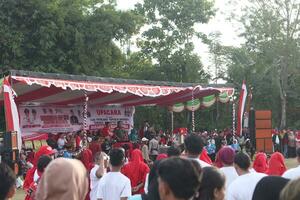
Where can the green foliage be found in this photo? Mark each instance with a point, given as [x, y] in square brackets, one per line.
[168, 37]
[83, 37]
[70, 36]
[269, 60]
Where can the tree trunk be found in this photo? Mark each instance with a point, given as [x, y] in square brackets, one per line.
[283, 112]
[283, 81]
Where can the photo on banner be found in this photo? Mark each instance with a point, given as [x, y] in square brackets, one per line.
[65, 119]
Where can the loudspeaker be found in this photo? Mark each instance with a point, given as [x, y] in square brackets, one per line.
[11, 158]
[252, 130]
[10, 141]
[10, 152]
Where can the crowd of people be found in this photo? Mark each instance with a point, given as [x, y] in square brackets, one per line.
[150, 165]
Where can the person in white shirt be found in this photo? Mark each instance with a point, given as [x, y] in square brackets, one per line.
[242, 188]
[226, 156]
[193, 147]
[293, 173]
[61, 141]
[114, 185]
[97, 172]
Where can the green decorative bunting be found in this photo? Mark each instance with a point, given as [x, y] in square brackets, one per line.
[223, 97]
[178, 107]
[190, 104]
[209, 101]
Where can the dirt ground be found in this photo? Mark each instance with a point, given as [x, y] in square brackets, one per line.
[290, 163]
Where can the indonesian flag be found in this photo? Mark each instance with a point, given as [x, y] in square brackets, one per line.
[11, 112]
[242, 101]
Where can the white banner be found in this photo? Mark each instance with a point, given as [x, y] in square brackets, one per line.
[58, 119]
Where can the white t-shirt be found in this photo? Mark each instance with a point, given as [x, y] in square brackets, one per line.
[94, 183]
[201, 162]
[146, 184]
[113, 186]
[242, 188]
[293, 173]
[230, 174]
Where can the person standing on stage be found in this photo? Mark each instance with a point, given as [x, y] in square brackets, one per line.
[119, 132]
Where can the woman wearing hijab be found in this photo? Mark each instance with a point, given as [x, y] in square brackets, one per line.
[63, 179]
[276, 165]
[260, 163]
[87, 159]
[44, 150]
[226, 156]
[136, 170]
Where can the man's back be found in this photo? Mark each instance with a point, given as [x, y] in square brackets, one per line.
[113, 186]
[293, 173]
[242, 187]
[230, 174]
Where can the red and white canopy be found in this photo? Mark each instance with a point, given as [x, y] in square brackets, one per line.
[56, 89]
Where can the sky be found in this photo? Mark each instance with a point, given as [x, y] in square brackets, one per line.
[219, 23]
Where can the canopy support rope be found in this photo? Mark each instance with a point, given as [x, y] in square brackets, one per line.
[193, 112]
[85, 106]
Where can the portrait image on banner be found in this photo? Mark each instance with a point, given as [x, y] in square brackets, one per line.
[58, 119]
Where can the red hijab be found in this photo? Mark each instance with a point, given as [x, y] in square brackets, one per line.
[204, 157]
[276, 165]
[43, 150]
[87, 159]
[136, 170]
[260, 163]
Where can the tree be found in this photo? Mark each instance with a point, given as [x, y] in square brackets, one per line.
[271, 30]
[70, 36]
[168, 37]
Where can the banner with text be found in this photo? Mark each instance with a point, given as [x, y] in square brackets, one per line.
[56, 119]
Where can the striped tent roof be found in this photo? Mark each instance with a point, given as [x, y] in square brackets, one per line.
[61, 89]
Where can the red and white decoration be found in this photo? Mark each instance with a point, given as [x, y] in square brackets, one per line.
[242, 101]
[56, 92]
[11, 112]
[70, 92]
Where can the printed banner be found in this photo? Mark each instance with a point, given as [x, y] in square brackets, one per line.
[56, 119]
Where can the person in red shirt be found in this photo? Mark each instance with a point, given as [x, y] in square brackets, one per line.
[78, 140]
[106, 132]
[41, 165]
[95, 145]
[136, 170]
[44, 150]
